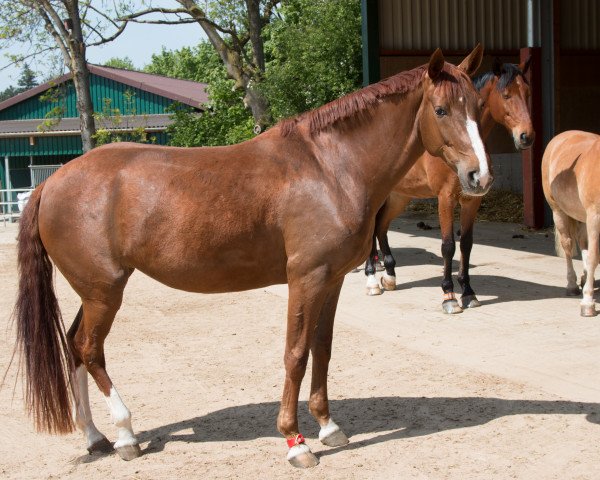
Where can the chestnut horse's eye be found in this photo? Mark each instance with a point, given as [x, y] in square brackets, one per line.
[440, 112]
[505, 96]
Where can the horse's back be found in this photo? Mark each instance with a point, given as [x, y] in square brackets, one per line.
[571, 173]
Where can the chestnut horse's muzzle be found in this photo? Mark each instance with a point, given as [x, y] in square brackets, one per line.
[475, 183]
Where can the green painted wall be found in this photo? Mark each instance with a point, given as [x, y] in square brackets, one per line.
[139, 102]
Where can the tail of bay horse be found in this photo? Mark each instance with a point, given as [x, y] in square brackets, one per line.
[294, 205]
[505, 95]
[570, 177]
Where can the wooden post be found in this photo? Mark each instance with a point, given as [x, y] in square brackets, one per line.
[533, 195]
[370, 40]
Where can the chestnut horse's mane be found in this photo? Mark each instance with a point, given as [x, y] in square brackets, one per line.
[364, 99]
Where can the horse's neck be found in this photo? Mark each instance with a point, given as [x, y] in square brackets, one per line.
[382, 148]
[487, 121]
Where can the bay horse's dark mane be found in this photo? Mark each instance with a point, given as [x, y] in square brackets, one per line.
[355, 103]
[509, 71]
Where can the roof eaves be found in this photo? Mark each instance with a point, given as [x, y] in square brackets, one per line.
[113, 74]
[34, 91]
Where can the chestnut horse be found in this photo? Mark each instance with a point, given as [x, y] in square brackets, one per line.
[570, 176]
[505, 94]
[301, 198]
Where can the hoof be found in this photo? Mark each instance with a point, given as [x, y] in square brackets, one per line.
[101, 446]
[300, 456]
[332, 436]
[470, 301]
[129, 452]
[388, 282]
[451, 307]
[588, 310]
[335, 439]
[573, 292]
[374, 290]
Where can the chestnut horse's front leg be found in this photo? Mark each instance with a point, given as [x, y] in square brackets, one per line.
[330, 434]
[468, 211]
[446, 204]
[307, 295]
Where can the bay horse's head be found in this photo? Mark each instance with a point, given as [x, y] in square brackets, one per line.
[508, 101]
[449, 118]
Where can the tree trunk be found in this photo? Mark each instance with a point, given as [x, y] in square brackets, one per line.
[81, 78]
[245, 77]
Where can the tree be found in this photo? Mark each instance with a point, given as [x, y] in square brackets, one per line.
[315, 55]
[235, 29]
[66, 26]
[225, 119]
[27, 79]
[125, 63]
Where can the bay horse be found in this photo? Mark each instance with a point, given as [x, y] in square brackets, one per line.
[570, 176]
[505, 94]
[301, 198]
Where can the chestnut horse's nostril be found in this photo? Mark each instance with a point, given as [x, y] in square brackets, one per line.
[473, 177]
[524, 139]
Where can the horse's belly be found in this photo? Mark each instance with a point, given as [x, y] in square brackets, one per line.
[188, 263]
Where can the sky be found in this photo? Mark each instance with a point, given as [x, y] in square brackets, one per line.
[138, 42]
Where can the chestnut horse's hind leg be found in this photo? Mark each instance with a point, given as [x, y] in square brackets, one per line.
[582, 241]
[330, 434]
[96, 442]
[564, 230]
[468, 211]
[588, 308]
[446, 204]
[373, 287]
[88, 342]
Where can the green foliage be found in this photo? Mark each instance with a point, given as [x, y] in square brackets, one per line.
[26, 81]
[8, 92]
[314, 55]
[225, 120]
[125, 63]
[313, 51]
[114, 125]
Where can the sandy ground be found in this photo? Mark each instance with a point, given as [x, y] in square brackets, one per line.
[508, 390]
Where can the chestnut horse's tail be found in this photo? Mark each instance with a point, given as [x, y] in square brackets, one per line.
[40, 331]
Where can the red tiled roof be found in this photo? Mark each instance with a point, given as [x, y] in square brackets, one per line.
[184, 91]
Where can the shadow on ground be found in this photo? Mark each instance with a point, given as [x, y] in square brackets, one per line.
[393, 417]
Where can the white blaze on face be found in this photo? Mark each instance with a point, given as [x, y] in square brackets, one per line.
[479, 149]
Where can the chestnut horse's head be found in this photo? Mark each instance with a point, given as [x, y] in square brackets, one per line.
[449, 118]
[508, 101]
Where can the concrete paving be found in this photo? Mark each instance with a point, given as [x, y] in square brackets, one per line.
[526, 330]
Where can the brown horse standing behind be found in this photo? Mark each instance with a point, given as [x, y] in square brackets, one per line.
[570, 178]
[300, 198]
[505, 93]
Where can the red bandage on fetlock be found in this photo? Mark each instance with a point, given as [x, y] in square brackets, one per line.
[449, 296]
[297, 440]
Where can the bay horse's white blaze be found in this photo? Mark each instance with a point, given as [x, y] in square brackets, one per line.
[121, 417]
[81, 408]
[484, 173]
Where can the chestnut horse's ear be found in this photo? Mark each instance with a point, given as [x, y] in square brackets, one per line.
[524, 66]
[436, 64]
[471, 63]
[497, 67]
